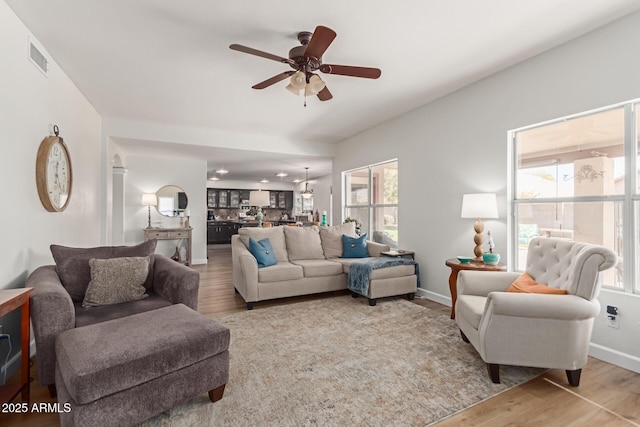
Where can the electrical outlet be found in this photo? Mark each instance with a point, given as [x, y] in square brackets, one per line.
[612, 321]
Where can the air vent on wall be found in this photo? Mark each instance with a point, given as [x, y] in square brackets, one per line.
[37, 58]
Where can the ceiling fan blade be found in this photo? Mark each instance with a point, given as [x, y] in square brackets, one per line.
[347, 70]
[324, 94]
[272, 80]
[260, 53]
[320, 41]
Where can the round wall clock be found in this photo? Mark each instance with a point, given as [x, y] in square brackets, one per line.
[53, 173]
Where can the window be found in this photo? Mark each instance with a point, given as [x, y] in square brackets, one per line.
[371, 198]
[570, 181]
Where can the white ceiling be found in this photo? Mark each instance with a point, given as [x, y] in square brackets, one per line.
[168, 61]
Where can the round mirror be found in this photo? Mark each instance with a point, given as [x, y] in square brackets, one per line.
[172, 200]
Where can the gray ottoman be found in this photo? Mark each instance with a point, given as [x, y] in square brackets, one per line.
[126, 370]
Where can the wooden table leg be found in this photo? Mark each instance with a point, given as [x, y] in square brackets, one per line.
[453, 283]
[25, 351]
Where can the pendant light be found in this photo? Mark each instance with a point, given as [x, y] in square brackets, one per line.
[307, 194]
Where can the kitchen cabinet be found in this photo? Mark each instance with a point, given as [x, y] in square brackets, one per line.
[234, 199]
[212, 198]
[223, 198]
[221, 231]
[281, 199]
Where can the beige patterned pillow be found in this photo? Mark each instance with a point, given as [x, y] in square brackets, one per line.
[332, 238]
[116, 280]
[303, 243]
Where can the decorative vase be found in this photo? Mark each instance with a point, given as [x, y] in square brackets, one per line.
[490, 258]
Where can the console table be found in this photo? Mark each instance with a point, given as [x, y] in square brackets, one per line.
[171, 234]
[456, 266]
[11, 299]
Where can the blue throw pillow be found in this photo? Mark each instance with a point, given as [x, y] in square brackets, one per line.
[263, 252]
[354, 247]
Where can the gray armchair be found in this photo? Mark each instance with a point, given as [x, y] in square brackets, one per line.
[58, 292]
[535, 330]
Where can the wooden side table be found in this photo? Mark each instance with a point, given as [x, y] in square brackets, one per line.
[398, 254]
[11, 299]
[456, 266]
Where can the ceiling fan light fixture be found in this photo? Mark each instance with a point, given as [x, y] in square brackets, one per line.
[298, 80]
[316, 84]
[293, 90]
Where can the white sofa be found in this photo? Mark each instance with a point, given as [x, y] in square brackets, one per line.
[308, 262]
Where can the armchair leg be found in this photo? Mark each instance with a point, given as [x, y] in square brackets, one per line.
[372, 302]
[411, 296]
[494, 372]
[464, 337]
[249, 306]
[574, 377]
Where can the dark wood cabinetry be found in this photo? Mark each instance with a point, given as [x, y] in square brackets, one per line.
[281, 199]
[235, 199]
[221, 231]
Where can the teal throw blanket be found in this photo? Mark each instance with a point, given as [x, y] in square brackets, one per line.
[360, 271]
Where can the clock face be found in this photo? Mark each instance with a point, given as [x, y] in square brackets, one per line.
[58, 178]
[53, 174]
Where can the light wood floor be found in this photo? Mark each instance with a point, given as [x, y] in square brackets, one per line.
[607, 396]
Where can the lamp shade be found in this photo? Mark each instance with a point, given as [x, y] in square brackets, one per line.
[482, 205]
[259, 198]
[149, 199]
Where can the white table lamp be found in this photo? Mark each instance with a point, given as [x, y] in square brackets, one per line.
[149, 199]
[483, 205]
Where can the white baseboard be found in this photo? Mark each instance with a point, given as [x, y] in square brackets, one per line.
[198, 261]
[444, 300]
[615, 357]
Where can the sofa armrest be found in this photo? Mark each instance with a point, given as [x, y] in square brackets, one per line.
[481, 283]
[175, 282]
[376, 248]
[52, 312]
[543, 306]
[245, 270]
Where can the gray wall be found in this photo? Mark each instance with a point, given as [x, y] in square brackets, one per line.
[458, 144]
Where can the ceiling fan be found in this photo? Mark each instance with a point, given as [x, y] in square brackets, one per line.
[306, 60]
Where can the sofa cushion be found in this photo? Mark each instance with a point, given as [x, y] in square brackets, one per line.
[331, 238]
[280, 272]
[275, 236]
[116, 280]
[303, 243]
[471, 307]
[72, 264]
[354, 247]
[262, 252]
[319, 267]
[91, 315]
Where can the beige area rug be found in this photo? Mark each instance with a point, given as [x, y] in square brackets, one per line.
[337, 361]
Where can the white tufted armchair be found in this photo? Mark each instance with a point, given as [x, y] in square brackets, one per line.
[536, 330]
